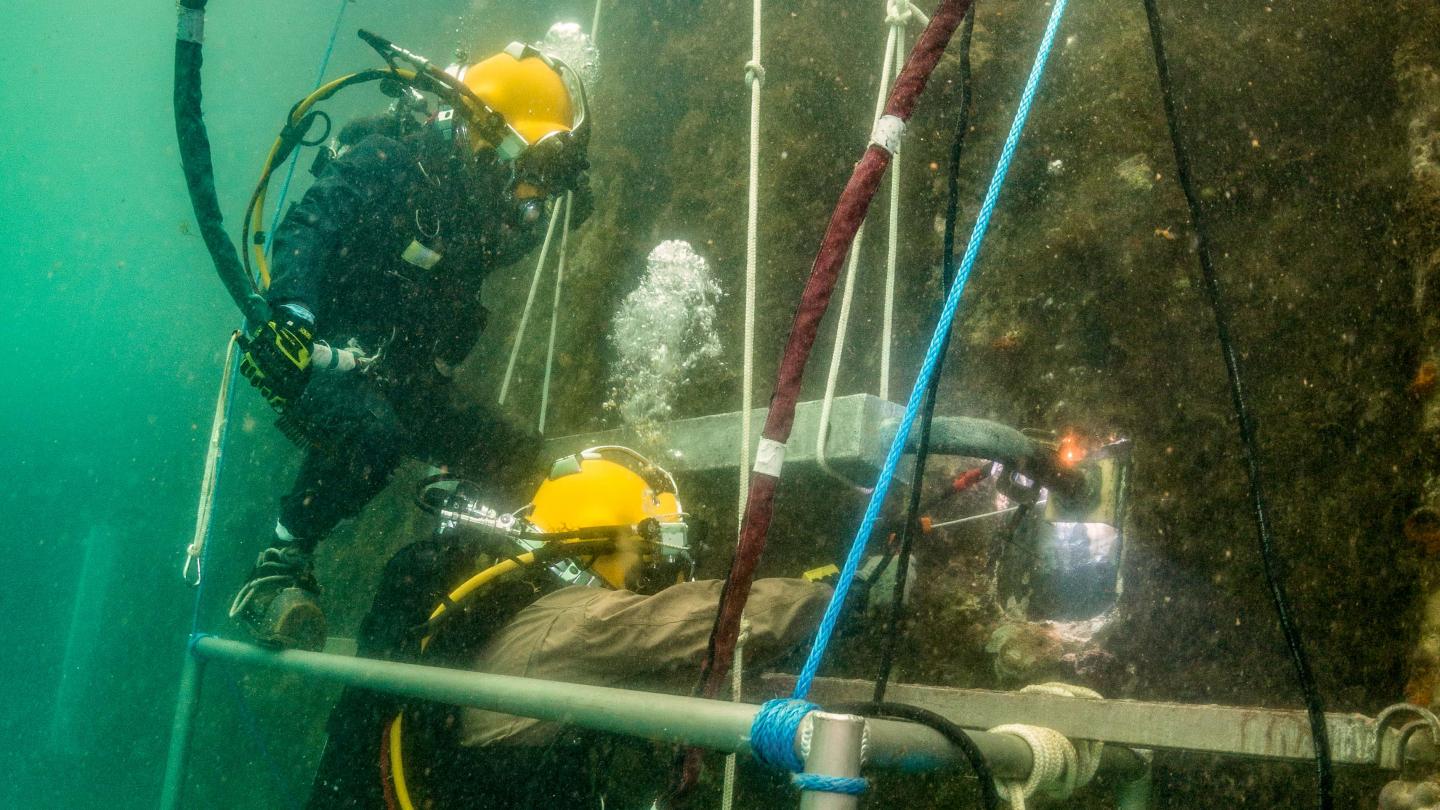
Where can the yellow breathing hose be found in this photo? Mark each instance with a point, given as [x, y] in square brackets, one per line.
[257, 209]
[568, 549]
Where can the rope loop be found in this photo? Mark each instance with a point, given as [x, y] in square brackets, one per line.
[1060, 764]
[772, 733]
[754, 72]
[898, 13]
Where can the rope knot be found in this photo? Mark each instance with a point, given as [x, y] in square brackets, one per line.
[773, 741]
[1060, 765]
[772, 733]
[898, 13]
[754, 72]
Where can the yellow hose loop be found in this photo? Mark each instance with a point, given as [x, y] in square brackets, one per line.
[569, 548]
[397, 766]
[257, 217]
[572, 548]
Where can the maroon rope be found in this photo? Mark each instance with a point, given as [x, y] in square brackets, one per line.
[814, 301]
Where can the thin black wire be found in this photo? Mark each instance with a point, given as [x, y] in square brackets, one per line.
[927, 415]
[1273, 575]
[989, 796]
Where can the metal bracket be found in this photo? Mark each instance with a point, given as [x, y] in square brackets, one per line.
[1390, 750]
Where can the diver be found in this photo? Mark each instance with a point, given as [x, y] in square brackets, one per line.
[590, 583]
[376, 300]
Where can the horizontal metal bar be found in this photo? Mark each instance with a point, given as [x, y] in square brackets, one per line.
[862, 427]
[1240, 731]
[713, 724]
[856, 443]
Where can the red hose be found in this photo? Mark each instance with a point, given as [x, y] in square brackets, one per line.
[814, 301]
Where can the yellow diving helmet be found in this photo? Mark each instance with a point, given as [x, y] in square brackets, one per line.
[541, 102]
[614, 486]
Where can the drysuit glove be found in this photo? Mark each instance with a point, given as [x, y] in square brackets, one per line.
[276, 356]
[872, 591]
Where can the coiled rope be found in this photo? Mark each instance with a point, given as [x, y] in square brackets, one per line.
[1059, 765]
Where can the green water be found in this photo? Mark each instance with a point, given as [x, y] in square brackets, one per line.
[1084, 314]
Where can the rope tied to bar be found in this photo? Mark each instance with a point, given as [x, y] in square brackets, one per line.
[1060, 765]
[773, 735]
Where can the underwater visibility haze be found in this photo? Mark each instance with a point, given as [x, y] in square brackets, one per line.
[532, 262]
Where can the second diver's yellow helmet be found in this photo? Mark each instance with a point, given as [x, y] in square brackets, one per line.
[612, 486]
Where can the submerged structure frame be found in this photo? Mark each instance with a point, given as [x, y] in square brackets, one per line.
[839, 740]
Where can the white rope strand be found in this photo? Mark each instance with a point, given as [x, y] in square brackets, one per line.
[205, 508]
[529, 302]
[555, 311]
[892, 244]
[737, 694]
[847, 296]
[755, 77]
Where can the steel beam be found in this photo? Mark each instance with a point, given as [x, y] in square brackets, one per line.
[187, 705]
[856, 444]
[862, 428]
[1238, 731]
[715, 724]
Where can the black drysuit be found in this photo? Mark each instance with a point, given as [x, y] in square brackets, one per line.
[342, 254]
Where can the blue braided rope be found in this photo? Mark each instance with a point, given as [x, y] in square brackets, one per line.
[772, 732]
[847, 785]
[295, 156]
[932, 358]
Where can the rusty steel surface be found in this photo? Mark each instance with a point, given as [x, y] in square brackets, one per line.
[1234, 730]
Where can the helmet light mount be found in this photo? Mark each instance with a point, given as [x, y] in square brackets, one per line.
[606, 491]
[552, 160]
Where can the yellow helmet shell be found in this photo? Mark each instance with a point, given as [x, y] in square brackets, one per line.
[602, 493]
[527, 92]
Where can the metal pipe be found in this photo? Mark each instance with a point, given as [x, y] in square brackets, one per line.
[715, 724]
[835, 750]
[976, 438]
[1134, 794]
[187, 705]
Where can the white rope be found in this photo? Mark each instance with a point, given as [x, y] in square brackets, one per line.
[737, 693]
[555, 311]
[205, 508]
[1059, 765]
[595, 22]
[892, 236]
[755, 77]
[894, 42]
[529, 302]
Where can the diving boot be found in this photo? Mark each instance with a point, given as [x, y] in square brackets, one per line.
[279, 604]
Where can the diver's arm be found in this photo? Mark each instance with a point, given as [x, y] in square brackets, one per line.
[662, 638]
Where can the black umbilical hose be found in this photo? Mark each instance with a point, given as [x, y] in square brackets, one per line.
[1274, 576]
[195, 159]
[927, 414]
[989, 796]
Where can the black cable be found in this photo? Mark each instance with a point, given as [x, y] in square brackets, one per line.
[989, 797]
[195, 159]
[927, 415]
[1273, 576]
